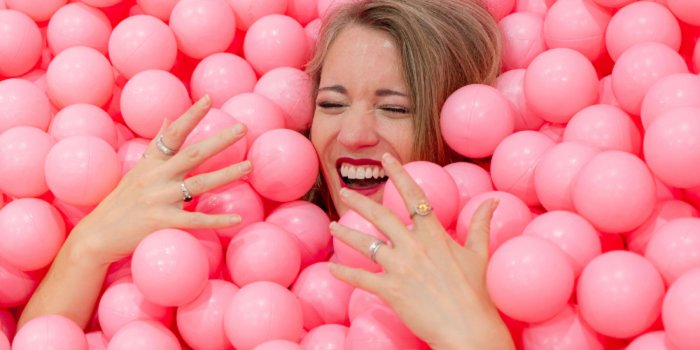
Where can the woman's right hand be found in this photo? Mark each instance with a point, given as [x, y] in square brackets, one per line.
[149, 197]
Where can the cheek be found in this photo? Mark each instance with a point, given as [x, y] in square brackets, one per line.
[401, 139]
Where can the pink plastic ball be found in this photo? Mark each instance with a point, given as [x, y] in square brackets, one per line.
[559, 83]
[437, 185]
[101, 3]
[578, 25]
[20, 43]
[638, 68]
[249, 11]
[39, 11]
[606, 93]
[248, 256]
[17, 286]
[23, 104]
[380, 329]
[96, 340]
[257, 112]
[290, 89]
[324, 299]
[151, 97]
[529, 279]
[302, 10]
[470, 179]
[83, 120]
[672, 147]
[157, 8]
[278, 345]
[313, 30]
[309, 224]
[8, 325]
[571, 233]
[499, 8]
[651, 341]
[144, 335]
[80, 75]
[556, 171]
[664, 212]
[77, 24]
[31, 233]
[276, 154]
[4, 342]
[681, 314]
[82, 170]
[23, 153]
[536, 6]
[347, 255]
[50, 332]
[222, 76]
[475, 119]
[615, 191]
[122, 303]
[140, 43]
[238, 198]
[696, 57]
[361, 301]
[170, 267]
[511, 84]
[523, 39]
[211, 242]
[614, 3]
[674, 248]
[513, 163]
[201, 322]
[192, 20]
[605, 127]
[687, 11]
[324, 337]
[260, 312]
[131, 152]
[671, 92]
[620, 294]
[566, 330]
[215, 121]
[327, 6]
[269, 36]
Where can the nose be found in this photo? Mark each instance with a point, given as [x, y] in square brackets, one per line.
[358, 129]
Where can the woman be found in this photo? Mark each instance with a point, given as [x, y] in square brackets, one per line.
[381, 71]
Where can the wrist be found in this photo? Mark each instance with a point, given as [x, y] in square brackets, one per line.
[81, 249]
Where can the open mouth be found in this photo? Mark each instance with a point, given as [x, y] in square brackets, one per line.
[361, 174]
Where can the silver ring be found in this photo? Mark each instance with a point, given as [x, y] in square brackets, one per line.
[186, 195]
[374, 248]
[163, 148]
[422, 208]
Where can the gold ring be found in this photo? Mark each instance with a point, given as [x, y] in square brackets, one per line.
[422, 208]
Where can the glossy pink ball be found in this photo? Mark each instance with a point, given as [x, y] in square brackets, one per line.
[260, 312]
[151, 97]
[644, 21]
[23, 104]
[687, 11]
[290, 89]
[96, 340]
[80, 75]
[4, 342]
[681, 314]
[523, 39]
[303, 11]
[509, 219]
[512, 85]
[249, 255]
[140, 43]
[144, 335]
[275, 155]
[499, 8]
[566, 330]
[324, 299]
[327, 336]
[201, 322]
[614, 3]
[211, 242]
[529, 279]
[82, 170]
[470, 179]
[192, 20]
[605, 127]
[313, 30]
[556, 171]
[559, 83]
[122, 303]
[309, 223]
[20, 43]
[37, 13]
[83, 120]
[77, 24]
[326, 6]
[664, 212]
[278, 345]
[656, 340]
[606, 93]
[50, 332]
[362, 300]
[671, 92]
[347, 255]
[536, 6]
[269, 36]
[513, 163]
[157, 8]
[696, 57]
[615, 191]
[257, 112]
[672, 147]
[8, 325]
[131, 152]
[620, 294]
[31, 233]
[638, 68]
[222, 76]
[249, 11]
[674, 248]
[475, 119]
[380, 329]
[18, 285]
[579, 25]
[101, 3]
[170, 267]
[213, 122]
[238, 198]
[23, 153]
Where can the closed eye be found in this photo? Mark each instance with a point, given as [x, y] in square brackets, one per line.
[396, 109]
[329, 105]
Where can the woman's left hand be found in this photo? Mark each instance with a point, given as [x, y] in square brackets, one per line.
[435, 285]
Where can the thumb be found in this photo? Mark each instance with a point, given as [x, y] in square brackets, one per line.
[480, 226]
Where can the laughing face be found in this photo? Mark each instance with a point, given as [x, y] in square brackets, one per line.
[363, 110]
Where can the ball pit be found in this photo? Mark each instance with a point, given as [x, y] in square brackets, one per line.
[588, 138]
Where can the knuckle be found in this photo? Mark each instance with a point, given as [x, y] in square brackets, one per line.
[196, 184]
[173, 133]
[192, 153]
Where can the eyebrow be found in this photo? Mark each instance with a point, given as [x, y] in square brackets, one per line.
[381, 92]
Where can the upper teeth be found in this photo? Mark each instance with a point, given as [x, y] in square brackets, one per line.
[361, 172]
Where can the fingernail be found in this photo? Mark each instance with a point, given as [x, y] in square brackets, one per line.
[238, 129]
[234, 219]
[344, 192]
[387, 157]
[333, 225]
[245, 166]
[205, 101]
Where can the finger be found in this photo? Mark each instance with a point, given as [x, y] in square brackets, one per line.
[480, 226]
[362, 243]
[174, 133]
[378, 215]
[359, 278]
[195, 220]
[196, 154]
[206, 182]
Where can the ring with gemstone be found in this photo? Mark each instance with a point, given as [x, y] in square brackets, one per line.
[163, 148]
[374, 248]
[186, 195]
[422, 208]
